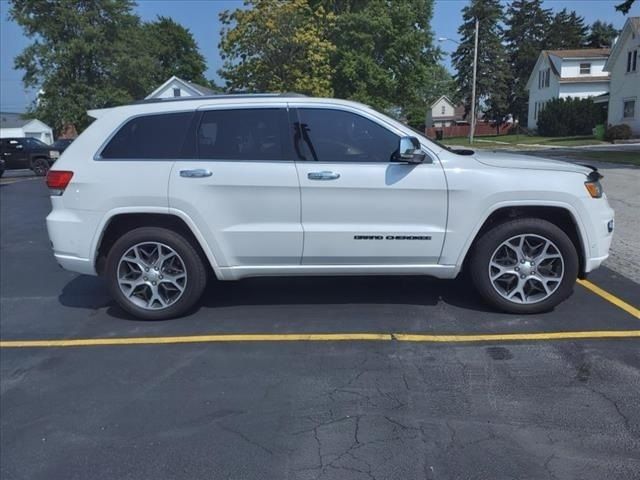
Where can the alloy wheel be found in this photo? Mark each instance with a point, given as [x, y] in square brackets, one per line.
[152, 275]
[526, 269]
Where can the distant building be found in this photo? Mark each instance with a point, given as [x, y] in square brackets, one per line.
[624, 67]
[443, 113]
[177, 87]
[566, 73]
[16, 125]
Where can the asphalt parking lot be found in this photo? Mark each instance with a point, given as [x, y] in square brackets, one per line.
[344, 378]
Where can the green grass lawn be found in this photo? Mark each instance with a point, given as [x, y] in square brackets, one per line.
[631, 158]
[496, 141]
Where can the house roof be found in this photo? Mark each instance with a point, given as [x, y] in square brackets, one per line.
[585, 79]
[199, 90]
[440, 98]
[581, 53]
[632, 25]
[202, 89]
[13, 120]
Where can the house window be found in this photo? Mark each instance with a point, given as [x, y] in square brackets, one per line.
[442, 111]
[176, 92]
[585, 68]
[629, 108]
[632, 60]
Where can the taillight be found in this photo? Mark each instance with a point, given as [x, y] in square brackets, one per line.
[57, 181]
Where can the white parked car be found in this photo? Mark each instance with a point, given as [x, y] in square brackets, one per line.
[154, 196]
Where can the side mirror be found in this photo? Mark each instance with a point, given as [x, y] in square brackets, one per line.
[409, 150]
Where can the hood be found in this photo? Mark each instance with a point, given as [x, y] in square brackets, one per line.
[529, 162]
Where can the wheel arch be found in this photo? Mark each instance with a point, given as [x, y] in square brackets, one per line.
[561, 216]
[120, 223]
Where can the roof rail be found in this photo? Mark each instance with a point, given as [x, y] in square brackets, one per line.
[218, 97]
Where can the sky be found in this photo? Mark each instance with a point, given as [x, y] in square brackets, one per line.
[201, 18]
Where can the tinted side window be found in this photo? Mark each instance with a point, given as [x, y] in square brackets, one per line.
[243, 134]
[150, 137]
[338, 136]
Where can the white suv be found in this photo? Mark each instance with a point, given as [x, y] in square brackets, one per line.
[155, 195]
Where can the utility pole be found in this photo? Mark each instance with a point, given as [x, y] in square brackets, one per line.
[473, 87]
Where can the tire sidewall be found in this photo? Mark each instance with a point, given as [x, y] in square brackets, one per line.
[40, 161]
[196, 272]
[490, 241]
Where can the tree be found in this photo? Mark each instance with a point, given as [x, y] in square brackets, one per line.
[385, 55]
[566, 31]
[601, 35]
[174, 51]
[83, 55]
[625, 6]
[492, 88]
[524, 36]
[277, 46]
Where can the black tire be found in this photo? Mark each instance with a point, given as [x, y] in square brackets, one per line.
[493, 238]
[40, 166]
[193, 263]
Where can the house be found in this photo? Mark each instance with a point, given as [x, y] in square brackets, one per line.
[566, 73]
[624, 66]
[443, 113]
[16, 125]
[177, 87]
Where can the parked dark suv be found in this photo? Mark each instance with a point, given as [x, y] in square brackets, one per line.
[31, 153]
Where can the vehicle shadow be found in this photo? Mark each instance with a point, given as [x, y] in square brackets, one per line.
[91, 293]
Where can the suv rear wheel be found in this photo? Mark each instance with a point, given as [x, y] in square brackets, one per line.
[40, 166]
[155, 273]
[524, 266]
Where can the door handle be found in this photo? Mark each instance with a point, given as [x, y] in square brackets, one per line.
[323, 175]
[195, 173]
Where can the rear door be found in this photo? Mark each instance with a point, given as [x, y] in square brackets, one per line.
[15, 154]
[241, 188]
[359, 205]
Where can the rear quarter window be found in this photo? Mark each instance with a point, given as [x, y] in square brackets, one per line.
[160, 136]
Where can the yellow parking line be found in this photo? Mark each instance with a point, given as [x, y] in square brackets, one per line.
[610, 298]
[510, 337]
[320, 337]
[251, 337]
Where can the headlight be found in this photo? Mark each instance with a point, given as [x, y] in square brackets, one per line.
[54, 153]
[594, 187]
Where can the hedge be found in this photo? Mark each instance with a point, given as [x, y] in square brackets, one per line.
[562, 117]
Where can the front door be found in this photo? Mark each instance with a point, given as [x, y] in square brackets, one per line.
[242, 189]
[359, 206]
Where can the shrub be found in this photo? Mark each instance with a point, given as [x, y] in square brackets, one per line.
[563, 117]
[617, 132]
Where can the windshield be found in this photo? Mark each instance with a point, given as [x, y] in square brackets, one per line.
[34, 142]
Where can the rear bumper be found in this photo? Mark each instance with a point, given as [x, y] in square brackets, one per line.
[71, 233]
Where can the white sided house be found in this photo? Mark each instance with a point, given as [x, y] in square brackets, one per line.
[443, 113]
[15, 125]
[177, 87]
[624, 66]
[566, 73]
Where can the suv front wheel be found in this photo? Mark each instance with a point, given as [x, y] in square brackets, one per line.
[524, 266]
[155, 273]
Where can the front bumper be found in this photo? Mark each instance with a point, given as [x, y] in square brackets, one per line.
[600, 234]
